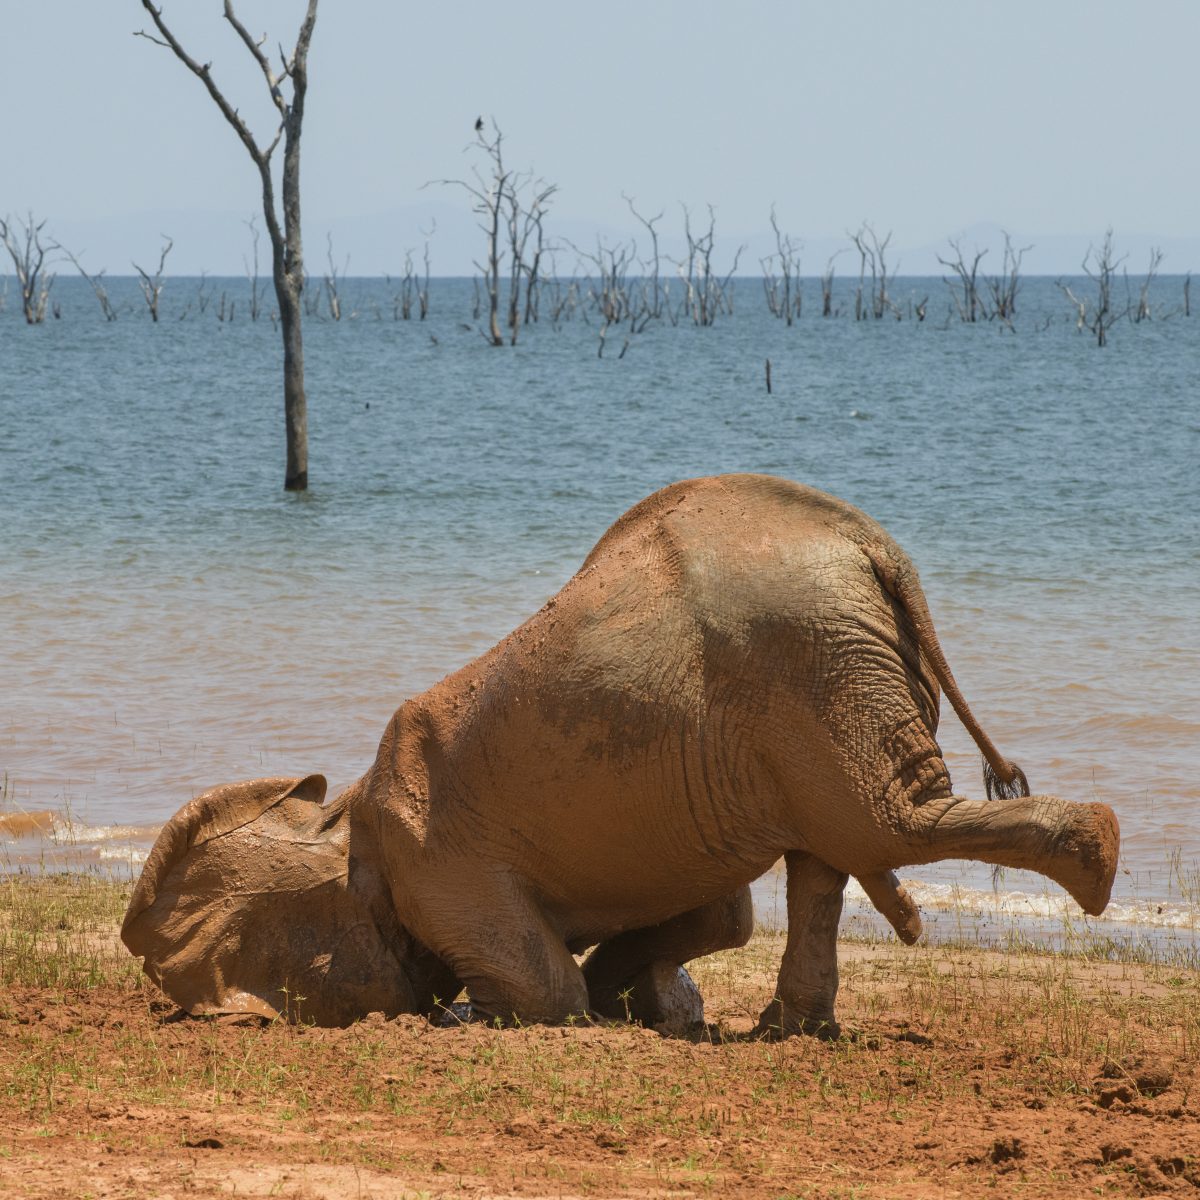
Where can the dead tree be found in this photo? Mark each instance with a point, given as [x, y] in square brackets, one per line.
[252, 268]
[525, 221]
[827, 286]
[29, 261]
[783, 292]
[423, 292]
[614, 299]
[283, 225]
[872, 254]
[403, 299]
[654, 301]
[96, 282]
[1004, 287]
[1098, 315]
[410, 289]
[511, 206]
[331, 280]
[489, 202]
[1142, 312]
[705, 292]
[152, 285]
[968, 302]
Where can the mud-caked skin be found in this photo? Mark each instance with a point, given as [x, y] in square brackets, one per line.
[743, 668]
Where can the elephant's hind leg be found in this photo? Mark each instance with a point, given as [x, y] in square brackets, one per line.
[639, 974]
[1074, 844]
[808, 975]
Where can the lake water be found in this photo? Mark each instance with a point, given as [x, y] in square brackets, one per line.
[171, 619]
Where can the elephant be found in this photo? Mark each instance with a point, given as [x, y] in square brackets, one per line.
[743, 668]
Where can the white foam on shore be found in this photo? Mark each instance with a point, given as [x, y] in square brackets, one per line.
[130, 845]
[1017, 906]
[64, 843]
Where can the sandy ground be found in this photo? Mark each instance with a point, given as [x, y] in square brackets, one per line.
[966, 1073]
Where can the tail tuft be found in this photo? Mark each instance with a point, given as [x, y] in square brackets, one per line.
[997, 789]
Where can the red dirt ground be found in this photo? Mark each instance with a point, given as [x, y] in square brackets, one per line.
[971, 1073]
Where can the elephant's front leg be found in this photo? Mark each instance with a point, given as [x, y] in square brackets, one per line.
[496, 938]
[639, 973]
[808, 975]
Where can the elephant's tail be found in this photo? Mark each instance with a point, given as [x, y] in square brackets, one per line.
[898, 577]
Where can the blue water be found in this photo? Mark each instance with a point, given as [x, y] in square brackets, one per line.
[171, 619]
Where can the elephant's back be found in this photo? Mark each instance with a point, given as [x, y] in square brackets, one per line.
[732, 512]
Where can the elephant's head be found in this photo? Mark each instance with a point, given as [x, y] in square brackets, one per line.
[253, 901]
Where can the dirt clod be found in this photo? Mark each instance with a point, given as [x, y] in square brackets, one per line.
[1006, 1148]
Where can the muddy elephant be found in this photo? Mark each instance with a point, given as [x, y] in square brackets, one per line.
[744, 668]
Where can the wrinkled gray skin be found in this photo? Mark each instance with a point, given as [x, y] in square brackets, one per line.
[744, 668]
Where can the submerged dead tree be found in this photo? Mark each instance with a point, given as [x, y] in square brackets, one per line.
[1004, 286]
[283, 219]
[251, 266]
[968, 303]
[152, 285]
[1097, 315]
[512, 206]
[872, 256]
[28, 256]
[1142, 311]
[783, 293]
[706, 294]
[653, 290]
[827, 286]
[95, 281]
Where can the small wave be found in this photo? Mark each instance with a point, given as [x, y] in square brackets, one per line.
[132, 855]
[1026, 906]
[66, 830]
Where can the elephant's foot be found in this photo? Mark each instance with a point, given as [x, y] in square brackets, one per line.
[1076, 845]
[891, 900]
[1086, 863]
[780, 1020]
[661, 996]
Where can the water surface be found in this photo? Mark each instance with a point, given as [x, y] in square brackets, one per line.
[171, 619]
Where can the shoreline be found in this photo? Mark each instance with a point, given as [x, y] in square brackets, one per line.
[960, 903]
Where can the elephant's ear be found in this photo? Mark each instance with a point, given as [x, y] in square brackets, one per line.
[218, 811]
[245, 906]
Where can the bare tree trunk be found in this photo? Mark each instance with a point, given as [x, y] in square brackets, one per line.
[1099, 266]
[331, 281]
[152, 285]
[295, 403]
[501, 198]
[827, 286]
[1143, 305]
[783, 295]
[968, 306]
[287, 255]
[655, 301]
[29, 259]
[252, 269]
[423, 293]
[1004, 288]
[96, 282]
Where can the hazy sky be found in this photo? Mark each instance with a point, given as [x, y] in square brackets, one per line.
[1050, 117]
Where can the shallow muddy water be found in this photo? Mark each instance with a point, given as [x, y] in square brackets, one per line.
[170, 619]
